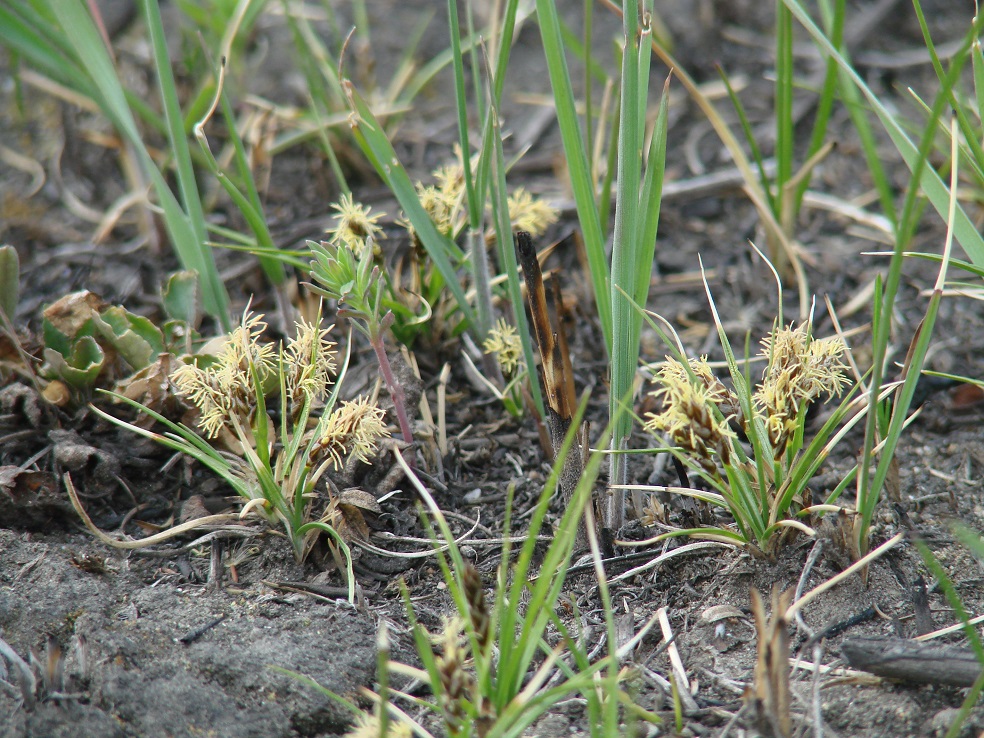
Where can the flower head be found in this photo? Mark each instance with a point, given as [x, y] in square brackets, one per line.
[800, 369]
[227, 388]
[528, 213]
[443, 201]
[504, 342]
[309, 362]
[353, 429]
[354, 226]
[367, 726]
[690, 414]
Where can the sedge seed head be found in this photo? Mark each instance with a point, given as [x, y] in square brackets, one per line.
[528, 213]
[800, 370]
[309, 360]
[456, 681]
[200, 387]
[353, 429]
[690, 416]
[226, 388]
[354, 226]
[503, 341]
[367, 726]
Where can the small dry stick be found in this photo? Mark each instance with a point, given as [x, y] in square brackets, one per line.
[770, 695]
[911, 661]
[556, 387]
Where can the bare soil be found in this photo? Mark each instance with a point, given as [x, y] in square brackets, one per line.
[179, 645]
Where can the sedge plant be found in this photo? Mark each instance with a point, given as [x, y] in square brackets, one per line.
[454, 210]
[747, 442]
[273, 457]
[344, 271]
[478, 179]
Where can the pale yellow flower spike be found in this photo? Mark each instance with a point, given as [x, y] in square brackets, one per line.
[354, 225]
[367, 726]
[504, 342]
[199, 386]
[226, 388]
[800, 370]
[309, 360]
[353, 429]
[528, 213]
[689, 416]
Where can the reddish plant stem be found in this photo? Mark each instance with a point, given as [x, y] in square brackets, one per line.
[395, 388]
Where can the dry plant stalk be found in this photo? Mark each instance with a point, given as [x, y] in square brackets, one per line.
[770, 694]
[555, 370]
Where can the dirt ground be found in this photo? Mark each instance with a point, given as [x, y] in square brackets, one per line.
[158, 645]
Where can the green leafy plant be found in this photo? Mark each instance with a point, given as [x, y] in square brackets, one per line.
[748, 443]
[83, 338]
[352, 279]
[273, 460]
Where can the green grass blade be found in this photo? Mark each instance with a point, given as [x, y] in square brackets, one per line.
[577, 163]
[746, 129]
[253, 212]
[784, 109]
[828, 94]
[461, 106]
[935, 190]
[214, 297]
[187, 234]
[507, 257]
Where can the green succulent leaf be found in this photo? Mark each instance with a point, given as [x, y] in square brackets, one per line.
[77, 367]
[135, 338]
[181, 297]
[9, 281]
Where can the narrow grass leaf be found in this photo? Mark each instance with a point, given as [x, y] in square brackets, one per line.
[579, 169]
[380, 151]
[965, 231]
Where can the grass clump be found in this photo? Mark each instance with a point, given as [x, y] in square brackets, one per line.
[273, 457]
[505, 657]
[748, 443]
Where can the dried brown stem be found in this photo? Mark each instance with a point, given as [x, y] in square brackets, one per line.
[553, 376]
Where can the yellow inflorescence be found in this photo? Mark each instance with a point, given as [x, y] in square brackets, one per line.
[504, 342]
[528, 213]
[691, 416]
[697, 406]
[226, 388]
[309, 360]
[800, 370]
[354, 226]
[352, 429]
